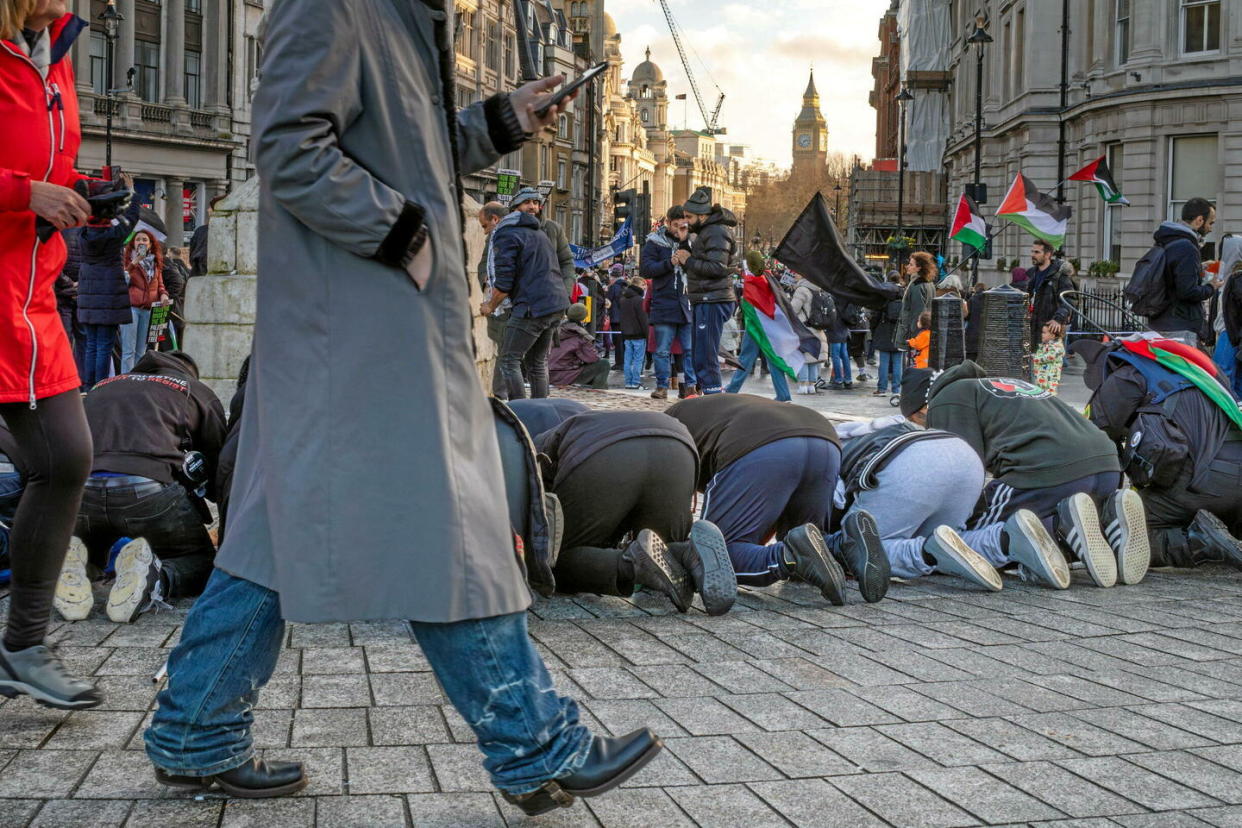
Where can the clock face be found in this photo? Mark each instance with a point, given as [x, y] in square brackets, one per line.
[804, 140]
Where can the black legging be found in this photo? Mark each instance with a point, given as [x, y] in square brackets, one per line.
[55, 444]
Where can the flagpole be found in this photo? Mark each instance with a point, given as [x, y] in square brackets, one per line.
[979, 250]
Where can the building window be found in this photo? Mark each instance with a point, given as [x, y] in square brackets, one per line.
[510, 53]
[99, 64]
[1193, 171]
[195, 6]
[1200, 26]
[644, 115]
[562, 127]
[493, 45]
[561, 180]
[1110, 239]
[1019, 53]
[1123, 31]
[147, 59]
[193, 80]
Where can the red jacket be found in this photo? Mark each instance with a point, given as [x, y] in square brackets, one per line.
[41, 138]
[144, 292]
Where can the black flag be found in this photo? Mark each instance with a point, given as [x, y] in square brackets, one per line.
[813, 248]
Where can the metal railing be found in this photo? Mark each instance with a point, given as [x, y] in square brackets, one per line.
[1100, 312]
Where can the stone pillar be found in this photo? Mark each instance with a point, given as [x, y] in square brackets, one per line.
[173, 220]
[215, 59]
[220, 307]
[123, 51]
[82, 53]
[174, 52]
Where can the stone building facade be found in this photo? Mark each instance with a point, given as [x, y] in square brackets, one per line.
[181, 121]
[1153, 85]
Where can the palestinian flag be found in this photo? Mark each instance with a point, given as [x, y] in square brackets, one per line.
[1192, 364]
[1097, 173]
[772, 324]
[968, 226]
[1037, 213]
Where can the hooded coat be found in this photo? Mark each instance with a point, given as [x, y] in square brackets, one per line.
[368, 481]
[710, 270]
[1183, 274]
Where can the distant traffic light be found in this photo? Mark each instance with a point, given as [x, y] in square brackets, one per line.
[624, 203]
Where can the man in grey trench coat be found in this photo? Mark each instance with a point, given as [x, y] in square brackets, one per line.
[366, 479]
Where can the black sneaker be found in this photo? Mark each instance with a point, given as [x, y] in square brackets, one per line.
[1211, 540]
[37, 672]
[1125, 528]
[706, 557]
[863, 556]
[1078, 525]
[808, 556]
[656, 569]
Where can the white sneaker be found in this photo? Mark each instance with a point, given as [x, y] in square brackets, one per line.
[1078, 521]
[74, 598]
[137, 586]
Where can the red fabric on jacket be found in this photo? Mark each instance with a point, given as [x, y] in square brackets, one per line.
[41, 138]
[144, 293]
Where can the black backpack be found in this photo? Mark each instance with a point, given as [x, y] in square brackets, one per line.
[892, 311]
[1148, 289]
[823, 313]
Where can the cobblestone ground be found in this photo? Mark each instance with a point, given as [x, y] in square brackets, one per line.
[939, 706]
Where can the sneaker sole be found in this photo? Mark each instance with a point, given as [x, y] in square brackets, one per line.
[1048, 563]
[836, 589]
[1127, 535]
[133, 582]
[12, 689]
[970, 565]
[719, 580]
[74, 598]
[658, 553]
[1088, 541]
[873, 582]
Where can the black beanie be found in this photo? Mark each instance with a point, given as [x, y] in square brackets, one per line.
[915, 385]
[699, 203]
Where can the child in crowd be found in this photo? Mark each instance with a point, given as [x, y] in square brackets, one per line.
[920, 345]
[634, 326]
[1049, 359]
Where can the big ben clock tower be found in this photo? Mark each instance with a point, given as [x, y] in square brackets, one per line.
[810, 135]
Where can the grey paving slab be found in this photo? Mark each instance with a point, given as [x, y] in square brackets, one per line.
[841, 707]
[388, 770]
[45, 774]
[1137, 784]
[352, 811]
[16, 813]
[941, 744]
[796, 754]
[452, 810]
[813, 803]
[62, 813]
[1195, 772]
[721, 759]
[727, 805]
[639, 808]
[869, 749]
[1059, 788]
[265, 813]
[772, 711]
[981, 795]
[183, 813]
[899, 800]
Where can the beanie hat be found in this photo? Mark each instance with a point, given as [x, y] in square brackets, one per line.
[525, 194]
[756, 262]
[699, 203]
[577, 312]
[915, 386]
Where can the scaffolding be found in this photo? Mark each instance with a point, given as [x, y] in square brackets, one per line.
[873, 213]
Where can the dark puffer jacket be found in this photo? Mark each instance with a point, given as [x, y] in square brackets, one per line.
[523, 265]
[103, 295]
[1183, 274]
[710, 270]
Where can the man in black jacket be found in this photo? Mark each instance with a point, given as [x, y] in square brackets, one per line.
[529, 200]
[1193, 494]
[522, 268]
[157, 433]
[642, 532]
[1183, 269]
[1047, 281]
[710, 270]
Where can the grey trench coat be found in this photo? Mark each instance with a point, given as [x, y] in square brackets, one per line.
[368, 482]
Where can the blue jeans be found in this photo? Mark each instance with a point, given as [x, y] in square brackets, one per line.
[100, 340]
[1226, 358]
[11, 488]
[709, 322]
[635, 353]
[662, 358]
[489, 670]
[809, 373]
[841, 370]
[134, 338]
[747, 358]
[891, 363]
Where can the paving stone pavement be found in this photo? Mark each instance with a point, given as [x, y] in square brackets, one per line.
[940, 706]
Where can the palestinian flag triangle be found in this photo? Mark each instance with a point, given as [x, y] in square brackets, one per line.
[968, 226]
[1097, 173]
[771, 323]
[1192, 364]
[1037, 213]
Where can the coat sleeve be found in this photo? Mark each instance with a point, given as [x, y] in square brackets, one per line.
[1187, 277]
[709, 256]
[1117, 400]
[311, 93]
[210, 433]
[654, 265]
[486, 131]
[504, 251]
[1064, 283]
[125, 222]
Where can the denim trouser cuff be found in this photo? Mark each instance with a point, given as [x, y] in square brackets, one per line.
[223, 766]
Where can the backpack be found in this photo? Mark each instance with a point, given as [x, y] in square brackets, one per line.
[1148, 289]
[892, 311]
[822, 315]
[855, 318]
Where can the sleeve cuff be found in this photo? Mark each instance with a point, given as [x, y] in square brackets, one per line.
[503, 126]
[15, 190]
[392, 250]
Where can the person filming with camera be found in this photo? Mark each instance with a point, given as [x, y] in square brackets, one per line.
[40, 193]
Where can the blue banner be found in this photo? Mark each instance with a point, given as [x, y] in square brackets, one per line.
[620, 243]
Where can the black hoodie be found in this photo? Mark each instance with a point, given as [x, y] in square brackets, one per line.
[1027, 437]
[143, 422]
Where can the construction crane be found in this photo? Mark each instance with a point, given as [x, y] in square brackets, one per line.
[709, 120]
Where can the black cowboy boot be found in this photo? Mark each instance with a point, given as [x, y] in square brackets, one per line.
[610, 762]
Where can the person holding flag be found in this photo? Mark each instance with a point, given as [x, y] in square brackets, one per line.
[1040, 215]
[772, 330]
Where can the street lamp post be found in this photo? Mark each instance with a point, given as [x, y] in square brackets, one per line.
[837, 215]
[902, 99]
[979, 39]
[111, 24]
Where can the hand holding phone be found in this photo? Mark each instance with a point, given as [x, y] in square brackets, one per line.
[570, 89]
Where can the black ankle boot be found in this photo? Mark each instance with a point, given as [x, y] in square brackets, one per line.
[610, 762]
[254, 780]
[1210, 541]
[646, 561]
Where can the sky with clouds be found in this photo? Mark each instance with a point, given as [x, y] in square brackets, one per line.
[759, 53]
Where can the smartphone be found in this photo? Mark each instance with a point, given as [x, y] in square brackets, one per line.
[569, 88]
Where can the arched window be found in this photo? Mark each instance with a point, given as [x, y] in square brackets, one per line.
[643, 114]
